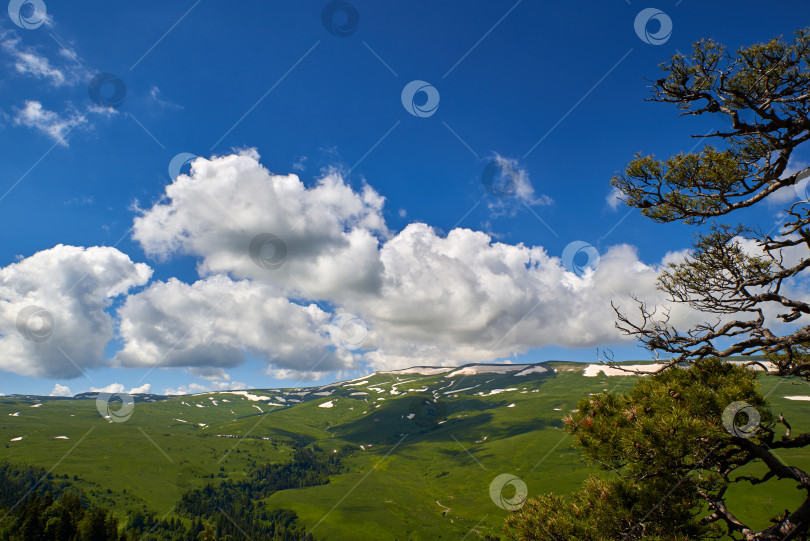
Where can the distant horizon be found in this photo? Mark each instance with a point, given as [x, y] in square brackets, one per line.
[330, 383]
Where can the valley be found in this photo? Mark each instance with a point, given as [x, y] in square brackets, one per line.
[419, 447]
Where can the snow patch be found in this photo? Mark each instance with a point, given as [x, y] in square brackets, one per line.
[395, 385]
[804, 398]
[250, 396]
[61, 438]
[454, 391]
[487, 369]
[351, 380]
[592, 370]
[498, 391]
[532, 370]
[421, 370]
[769, 366]
[327, 404]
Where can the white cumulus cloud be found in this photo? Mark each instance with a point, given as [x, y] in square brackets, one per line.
[329, 231]
[61, 390]
[423, 297]
[118, 388]
[218, 322]
[426, 298]
[53, 321]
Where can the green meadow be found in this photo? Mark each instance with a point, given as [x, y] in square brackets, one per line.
[426, 447]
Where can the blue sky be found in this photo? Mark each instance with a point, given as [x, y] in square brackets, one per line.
[552, 92]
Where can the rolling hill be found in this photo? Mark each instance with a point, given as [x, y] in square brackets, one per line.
[421, 445]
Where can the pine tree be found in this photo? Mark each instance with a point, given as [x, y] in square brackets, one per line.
[669, 449]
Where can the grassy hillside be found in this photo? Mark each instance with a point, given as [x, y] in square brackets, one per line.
[427, 446]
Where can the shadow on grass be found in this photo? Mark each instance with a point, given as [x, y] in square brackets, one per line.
[424, 419]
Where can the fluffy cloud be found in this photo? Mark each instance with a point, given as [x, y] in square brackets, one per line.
[117, 388]
[613, 199]
[506, 176]
[328, 231]
[146, 388]
[217, 322]
[426, 298]
[53, 321]
[52, 124]
[462, 298]
[61, 390]
[193, 388]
